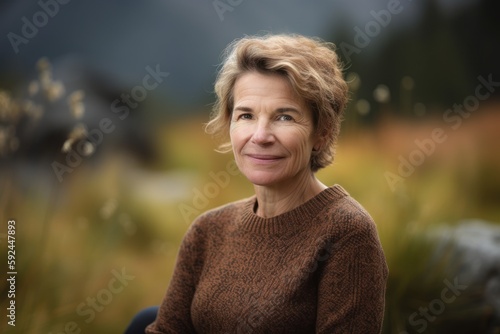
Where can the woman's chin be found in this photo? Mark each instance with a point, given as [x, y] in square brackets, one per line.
[263, 178]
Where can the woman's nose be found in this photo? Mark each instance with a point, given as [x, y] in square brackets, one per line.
[262, 133]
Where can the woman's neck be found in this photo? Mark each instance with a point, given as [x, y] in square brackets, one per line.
[275, 200]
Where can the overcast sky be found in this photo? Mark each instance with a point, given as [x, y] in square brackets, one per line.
[121, 38]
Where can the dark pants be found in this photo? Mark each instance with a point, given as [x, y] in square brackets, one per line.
[141, 320]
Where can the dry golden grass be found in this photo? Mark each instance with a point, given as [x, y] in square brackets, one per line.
[117, 215]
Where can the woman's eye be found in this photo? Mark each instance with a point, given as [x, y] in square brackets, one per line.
[244, 116]
[285, 118]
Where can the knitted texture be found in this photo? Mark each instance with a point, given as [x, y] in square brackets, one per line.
[318, 268]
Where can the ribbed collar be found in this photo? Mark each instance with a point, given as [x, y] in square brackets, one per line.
[290, 219]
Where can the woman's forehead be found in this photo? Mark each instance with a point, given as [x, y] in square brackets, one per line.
[253, 86]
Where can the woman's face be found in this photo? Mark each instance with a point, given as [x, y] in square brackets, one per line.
[271, 130]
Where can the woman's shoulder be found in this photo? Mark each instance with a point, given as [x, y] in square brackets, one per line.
[346, 213]
[221, 214]
[214, 222]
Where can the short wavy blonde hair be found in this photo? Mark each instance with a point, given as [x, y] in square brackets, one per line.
[312, 68]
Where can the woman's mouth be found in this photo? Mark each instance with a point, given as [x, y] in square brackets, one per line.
[264, 158]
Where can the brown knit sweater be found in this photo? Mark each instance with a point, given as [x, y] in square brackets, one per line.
[318, 268]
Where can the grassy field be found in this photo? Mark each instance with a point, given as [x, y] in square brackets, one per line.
[115, 218]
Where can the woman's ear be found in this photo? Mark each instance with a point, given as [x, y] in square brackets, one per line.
[320, 141]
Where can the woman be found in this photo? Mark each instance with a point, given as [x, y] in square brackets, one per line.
[298, 256]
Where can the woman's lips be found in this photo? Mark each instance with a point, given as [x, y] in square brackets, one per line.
[264, 158]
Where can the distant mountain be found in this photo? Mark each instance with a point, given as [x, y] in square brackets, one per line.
[118, 39]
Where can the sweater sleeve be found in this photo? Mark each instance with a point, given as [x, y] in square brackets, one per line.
[174, 314]
[351, 290]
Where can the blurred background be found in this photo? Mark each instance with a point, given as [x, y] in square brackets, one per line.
[104, 162]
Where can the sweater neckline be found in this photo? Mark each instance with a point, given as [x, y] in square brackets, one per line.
[295, 217]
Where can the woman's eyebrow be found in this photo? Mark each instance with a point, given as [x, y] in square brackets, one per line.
[242, 108]
[287, 109]
[280, 110]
